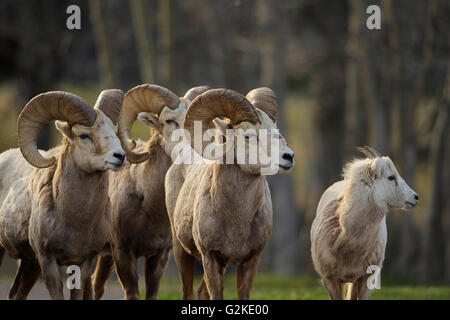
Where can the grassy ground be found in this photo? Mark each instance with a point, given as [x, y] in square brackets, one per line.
[267, 287]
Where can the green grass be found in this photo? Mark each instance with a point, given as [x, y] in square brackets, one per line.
[269, 287]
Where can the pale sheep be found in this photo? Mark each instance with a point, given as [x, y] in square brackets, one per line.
[222, 213]
[349, 234]
[54, 209]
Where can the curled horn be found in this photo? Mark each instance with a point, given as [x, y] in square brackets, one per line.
[143, 98]
[110, 103]
[192, 93]
[369, 152]
[264, 99]
[218, 103]
[45, 107]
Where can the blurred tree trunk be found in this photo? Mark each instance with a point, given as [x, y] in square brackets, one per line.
[446, 200]
[435, 241]
[356, 119]
[165, 17]
[329, 117]
[145, 48]
[105, 60]
[374, 93]
[284, 251]
[38, 53]
[215, 46]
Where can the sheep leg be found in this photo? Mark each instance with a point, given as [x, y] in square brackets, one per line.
[2, 253]
[202, 292]
[245, 275]
[154, 268]
[352, 293]
[185, 263]
[127, 273]
[26, 277]
[88, 293]
[103, 270]
[85, 270]
[213, 276]
[52, 279]
[363, 292]
[335, 288]
[355, 289]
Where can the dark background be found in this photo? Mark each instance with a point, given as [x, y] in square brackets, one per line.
[339, 84]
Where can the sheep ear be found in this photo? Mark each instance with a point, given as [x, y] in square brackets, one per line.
[167, 113]
[371, 173]
[150, 120]
[221, 125]
[64, 128]
[377, 167]
[368, 176]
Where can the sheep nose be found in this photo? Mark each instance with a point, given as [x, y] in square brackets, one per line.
[288, 156]
[416, 197]
[120, 156]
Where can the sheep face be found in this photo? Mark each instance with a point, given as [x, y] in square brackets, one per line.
[95, 148]
[284, 162]
[168, 121]
[390, 190]
[259, 148]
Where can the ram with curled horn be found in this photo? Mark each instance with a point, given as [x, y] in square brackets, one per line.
[139, 216]
[221, 213]
[54, 205]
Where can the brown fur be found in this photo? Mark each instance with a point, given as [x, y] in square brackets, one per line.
[59, 215]
[58, 230]
[222, 214]
[140, 223]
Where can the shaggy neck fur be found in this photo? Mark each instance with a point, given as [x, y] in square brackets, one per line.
[155, 145]
[149, 176]
[79, 196]
[236, 193]
[359, 215]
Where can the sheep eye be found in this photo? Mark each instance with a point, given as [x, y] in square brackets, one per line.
[172, 121]
[247, 138]
[84, 136]
[391, 178]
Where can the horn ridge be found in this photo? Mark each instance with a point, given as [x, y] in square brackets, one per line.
[40, 110]
[142, 98]
[218, 103]
[369, 152]
[264, 99]
[110, 103]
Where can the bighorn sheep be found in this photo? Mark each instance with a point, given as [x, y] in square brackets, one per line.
[54, 209]
[140, 223]
[222, 213]
[349, 232]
